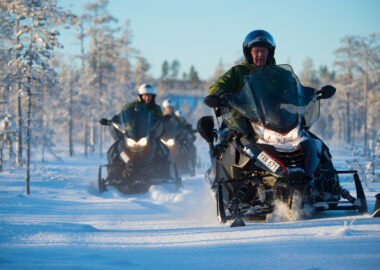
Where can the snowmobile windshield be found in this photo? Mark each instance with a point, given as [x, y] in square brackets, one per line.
[172, 128]
[273, 97]
[137, 121]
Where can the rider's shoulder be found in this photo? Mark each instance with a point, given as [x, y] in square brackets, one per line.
[243, 67]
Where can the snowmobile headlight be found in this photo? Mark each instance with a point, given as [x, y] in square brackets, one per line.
[130, 142]
[276, 137]
[169, 142]
[133, 143]
[142, 141]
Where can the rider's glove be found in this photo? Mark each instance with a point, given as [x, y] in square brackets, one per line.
[105, 122]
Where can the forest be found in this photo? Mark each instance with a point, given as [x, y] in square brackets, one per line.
[48, 100]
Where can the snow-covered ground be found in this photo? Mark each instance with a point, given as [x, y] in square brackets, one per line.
[65, 223]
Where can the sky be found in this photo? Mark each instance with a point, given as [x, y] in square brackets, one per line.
[204, 32]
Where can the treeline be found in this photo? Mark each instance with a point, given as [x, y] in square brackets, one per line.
[52, 100]
[352, 116]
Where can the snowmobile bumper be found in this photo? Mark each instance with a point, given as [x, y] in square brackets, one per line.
[358, 203]
[133, 185]
[376, 211]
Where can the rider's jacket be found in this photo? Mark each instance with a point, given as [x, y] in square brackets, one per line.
[230, 82]
[152, 107]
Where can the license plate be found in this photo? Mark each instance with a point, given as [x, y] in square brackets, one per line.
[124, 156]
[268, 161]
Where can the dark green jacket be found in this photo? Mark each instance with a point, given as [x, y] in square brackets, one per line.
[233, 80]
[152, 107]
[230, 82]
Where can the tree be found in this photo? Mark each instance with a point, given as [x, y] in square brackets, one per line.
[308, 75]
[174, 68]
[101, 57]
[368, 54]
[193, 77]
[141, 70]
[346, 63]
[34, 42]
[164, 70]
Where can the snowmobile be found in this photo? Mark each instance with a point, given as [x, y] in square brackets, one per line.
[182, 151]
[138, 159]
[269, 155]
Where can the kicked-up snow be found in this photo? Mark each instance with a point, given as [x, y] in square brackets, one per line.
[65, 223]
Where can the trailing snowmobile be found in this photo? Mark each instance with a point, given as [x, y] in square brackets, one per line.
[270, 155]
[138, 159]
[182, 150]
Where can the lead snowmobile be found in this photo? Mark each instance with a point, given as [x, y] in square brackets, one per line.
[271, 155]
[138, 159]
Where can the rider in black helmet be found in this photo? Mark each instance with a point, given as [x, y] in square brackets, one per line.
[259, 38]
[258, 50]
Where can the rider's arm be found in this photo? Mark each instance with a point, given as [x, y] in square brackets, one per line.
[229, 82]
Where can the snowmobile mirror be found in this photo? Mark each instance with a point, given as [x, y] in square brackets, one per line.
[214, 101]
[205, 127]
[105, 122]
[326, 92]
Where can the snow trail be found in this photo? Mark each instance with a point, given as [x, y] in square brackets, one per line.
[66, 223]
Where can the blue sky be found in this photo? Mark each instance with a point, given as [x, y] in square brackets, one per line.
[201, 32]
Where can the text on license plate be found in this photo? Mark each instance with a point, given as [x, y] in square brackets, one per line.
[268, 161]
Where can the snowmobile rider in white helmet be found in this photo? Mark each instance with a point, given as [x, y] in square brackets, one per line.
[169, 107]
[147, 96]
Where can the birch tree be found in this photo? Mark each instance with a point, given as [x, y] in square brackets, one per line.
[35, 40]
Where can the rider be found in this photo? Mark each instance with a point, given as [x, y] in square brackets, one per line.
[169, 107]
[190, 136]
[146, 96]
[258, 49]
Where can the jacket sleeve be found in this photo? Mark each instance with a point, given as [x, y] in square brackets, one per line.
[229, 82]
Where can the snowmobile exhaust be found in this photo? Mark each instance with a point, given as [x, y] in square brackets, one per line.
[376, 211]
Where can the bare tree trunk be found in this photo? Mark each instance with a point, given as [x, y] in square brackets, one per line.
[19, 110]
[348, 120]
[365, 86]
[28, 139]
[71, 147]
[19, 130]
[92, 136]
[86, 138]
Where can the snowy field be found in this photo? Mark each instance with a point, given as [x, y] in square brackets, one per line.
[65, 223]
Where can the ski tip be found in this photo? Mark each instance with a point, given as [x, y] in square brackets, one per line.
[238, 222]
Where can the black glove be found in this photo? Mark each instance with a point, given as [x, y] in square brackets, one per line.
[326, 92]
[105, 122]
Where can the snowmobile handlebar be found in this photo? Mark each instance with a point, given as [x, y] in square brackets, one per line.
[214, 101]
[105, 122]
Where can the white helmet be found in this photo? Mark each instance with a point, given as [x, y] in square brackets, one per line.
[168, 103]
[147, 89]
[179, 113]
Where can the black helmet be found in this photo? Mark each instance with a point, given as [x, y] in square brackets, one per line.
[255, 39]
